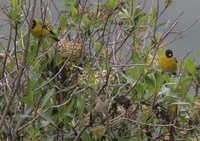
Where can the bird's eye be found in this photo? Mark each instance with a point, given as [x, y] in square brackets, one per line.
[169, 55]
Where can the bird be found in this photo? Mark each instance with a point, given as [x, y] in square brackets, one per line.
[40, 28]
[168, 63]
[100, 109]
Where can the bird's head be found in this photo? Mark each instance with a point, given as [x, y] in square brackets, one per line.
[102, 98]
[33, 23]
[169, 53]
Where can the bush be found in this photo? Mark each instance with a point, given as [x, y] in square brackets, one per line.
[101, 81]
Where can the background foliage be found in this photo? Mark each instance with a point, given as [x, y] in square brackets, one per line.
[47, 96]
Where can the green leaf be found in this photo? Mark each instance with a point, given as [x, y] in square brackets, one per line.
[86, 136]
[1, 47]
[153, 15]
[47, 97]
[86, 20]
[14, 3]
[58, 59]
[32, 52]
[111, 3]
[150, 82]
[140, 89]
[98, 131]
[16, 8]
[189, 65]
[180, 103]
[160, 25]
[73, 11]
[33, 132]
[135, 57]
[97, 46]
[135, 72]
[160, 79]
[139, 16]
[63, 21]
[44, 123]
[23, 116]
[28, 99]
[46, 117]
[2, 100]
[198, 53]
[81, 105]
[172, 98]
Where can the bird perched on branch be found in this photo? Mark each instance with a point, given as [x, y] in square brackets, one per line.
[101, 108]
[40, 28]
[168, 62]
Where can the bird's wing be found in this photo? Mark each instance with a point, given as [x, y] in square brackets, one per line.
[49, 29]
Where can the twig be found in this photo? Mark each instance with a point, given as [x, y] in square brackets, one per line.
[21, 72]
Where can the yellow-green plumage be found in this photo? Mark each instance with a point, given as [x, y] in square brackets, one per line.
[41, 29]
[168, 62]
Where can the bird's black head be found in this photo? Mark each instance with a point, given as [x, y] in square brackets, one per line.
[169, 53]
[33, 24]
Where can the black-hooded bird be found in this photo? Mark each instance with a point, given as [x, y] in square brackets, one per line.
[40, 28]
[168, 62]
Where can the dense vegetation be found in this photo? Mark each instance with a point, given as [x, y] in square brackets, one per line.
[102, 81]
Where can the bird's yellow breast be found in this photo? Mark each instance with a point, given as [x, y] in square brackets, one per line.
[168, 64]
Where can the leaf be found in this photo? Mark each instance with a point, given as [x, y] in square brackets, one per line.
[81, 105]
[150, 82]
[198, 53]
[28, 99]
[189, 65]
[16, 8]
[135, 57]
[58, 59]
[32, 52]
[44, 123]
[98, 131]
[180, 103]
[23, 116]
[1, 47]
[26, 113]
[63, 21]
[170, 98]
[153, 15]
[97, 46]
[86, 20]
[139, 16]
[160, 25]
[86, 136]
[73, 11]
[135, 71]
[46, 117]
[47, 97]
[32, 132]
[2, 100]
[14, 4]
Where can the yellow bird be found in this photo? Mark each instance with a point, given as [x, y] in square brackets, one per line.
[39, 28]
[168, 62]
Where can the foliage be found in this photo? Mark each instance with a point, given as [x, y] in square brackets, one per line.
[47, 96]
